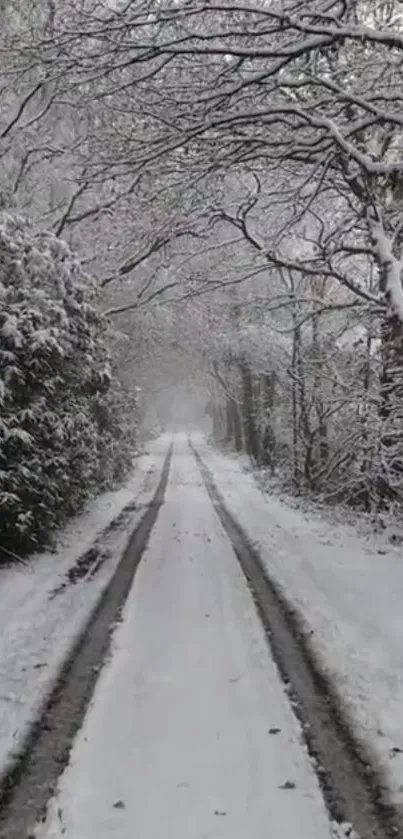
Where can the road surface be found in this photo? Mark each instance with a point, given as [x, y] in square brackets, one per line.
[190, 733]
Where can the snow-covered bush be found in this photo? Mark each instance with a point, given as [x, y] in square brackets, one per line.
[61, 431]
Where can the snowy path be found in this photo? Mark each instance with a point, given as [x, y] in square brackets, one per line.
[348, 591]
[176, 742]
[38, 629]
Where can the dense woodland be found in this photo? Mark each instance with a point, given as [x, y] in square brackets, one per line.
[202, 195]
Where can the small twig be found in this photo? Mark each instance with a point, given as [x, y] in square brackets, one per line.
[14, 556]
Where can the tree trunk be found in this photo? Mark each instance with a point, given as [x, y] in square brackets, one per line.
[391, 408]
[237, 427]
[320, 453]
[294, 404]
[267, 442]
[216, 422]
[248, 412]
[229, 416]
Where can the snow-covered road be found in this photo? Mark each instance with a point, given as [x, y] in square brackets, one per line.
[348, 593]
[190, 733]
[37, 629]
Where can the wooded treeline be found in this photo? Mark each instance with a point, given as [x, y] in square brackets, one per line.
[219, 188]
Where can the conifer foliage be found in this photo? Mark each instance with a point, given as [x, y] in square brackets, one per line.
[61, 437]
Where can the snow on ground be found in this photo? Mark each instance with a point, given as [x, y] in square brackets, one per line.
[177, 741]
[349, 595]
[36, 629]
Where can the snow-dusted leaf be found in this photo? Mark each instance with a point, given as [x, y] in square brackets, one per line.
[18, 435]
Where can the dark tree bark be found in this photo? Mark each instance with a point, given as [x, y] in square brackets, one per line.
[248, 411]
[229, 418]
[237, 427]
[267, 442]
[391, 407]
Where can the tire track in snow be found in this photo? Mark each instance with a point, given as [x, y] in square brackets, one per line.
[27, 786]
[354, 788]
